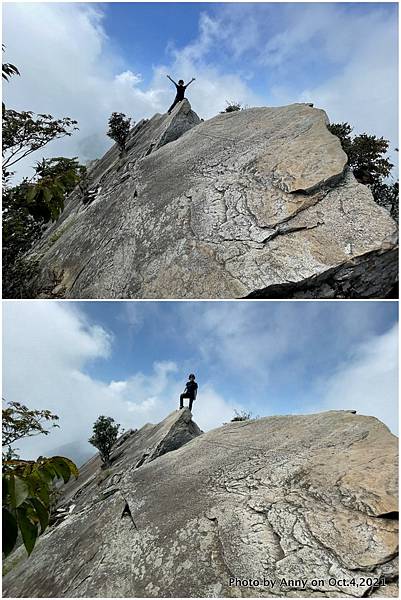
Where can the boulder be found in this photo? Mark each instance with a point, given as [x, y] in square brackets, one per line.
[298, 506]
[254, 203]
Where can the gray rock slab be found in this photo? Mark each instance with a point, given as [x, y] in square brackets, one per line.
[279, 500]
[255, 202]
[133, 449]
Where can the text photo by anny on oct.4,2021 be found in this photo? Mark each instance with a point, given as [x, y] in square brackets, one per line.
[303, 583]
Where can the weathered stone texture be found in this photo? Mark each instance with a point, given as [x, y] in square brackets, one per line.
[279, 498]
[245, 203]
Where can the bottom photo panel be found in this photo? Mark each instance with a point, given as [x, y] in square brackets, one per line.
[200, 449]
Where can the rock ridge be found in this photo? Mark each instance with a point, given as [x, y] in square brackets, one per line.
[225, 208]
[280, 499]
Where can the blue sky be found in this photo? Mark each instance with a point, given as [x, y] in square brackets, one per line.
[130, 360]
[86, 60]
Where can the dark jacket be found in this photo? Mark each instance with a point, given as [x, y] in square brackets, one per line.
[191, 389]
[180, 91]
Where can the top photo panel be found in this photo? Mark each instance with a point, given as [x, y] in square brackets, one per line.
[200, 151]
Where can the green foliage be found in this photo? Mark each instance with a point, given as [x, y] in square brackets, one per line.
[20, 229]
[366, 153]
[18, 422]
[105, 433]
[57, 178]
[366, 157]
[27, 207]
[387, 195]
[8, 70]
[232, 106]
[27, 487]
[27, 484]
[119, 128]
[24, 133]
[67, 168]
[18, 278]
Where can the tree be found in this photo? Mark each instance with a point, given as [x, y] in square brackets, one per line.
[119, 128]
[27, 208]
[367, 160]
[25, 133]
[387, 195]
[105, 434]
[365, 153]
[56, 178]
[18, 422]
[27, 484]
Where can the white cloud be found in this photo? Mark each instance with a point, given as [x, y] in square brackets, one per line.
[366, 382]
[48, 346]
[84, 78]
[251, 339]
[46, 349]
[128, 77]
[361, 84]
[301, 344]
[84, 75]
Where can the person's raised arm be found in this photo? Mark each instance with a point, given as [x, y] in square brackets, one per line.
[193, 79]
[172, 80]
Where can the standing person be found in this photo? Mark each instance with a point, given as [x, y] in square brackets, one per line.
[180, 87]
[191, 389]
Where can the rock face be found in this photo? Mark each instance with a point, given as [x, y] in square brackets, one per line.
[277, 500]
[257, 202]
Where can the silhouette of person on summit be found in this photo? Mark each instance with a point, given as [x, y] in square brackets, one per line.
[180, 87]
[191, 389]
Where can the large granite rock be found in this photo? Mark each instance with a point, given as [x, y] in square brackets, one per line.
[257, 202]
[284, 501]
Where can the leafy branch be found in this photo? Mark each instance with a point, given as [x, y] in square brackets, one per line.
[27, 497]
[19, 422]
[24, 133]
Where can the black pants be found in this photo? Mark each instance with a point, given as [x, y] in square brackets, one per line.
[176, 101]
[190, 401]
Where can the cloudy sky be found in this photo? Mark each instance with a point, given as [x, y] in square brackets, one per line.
[87, 60]
[130, 360]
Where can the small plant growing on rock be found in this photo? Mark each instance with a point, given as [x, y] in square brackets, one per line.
[242, 416]
[105, 433]
[119, 128]
[232, 106]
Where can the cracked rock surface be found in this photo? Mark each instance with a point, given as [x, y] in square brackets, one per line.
[281, 499]
[256, 202]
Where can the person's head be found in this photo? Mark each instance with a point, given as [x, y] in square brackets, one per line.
[191, 376]
[181, 82]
